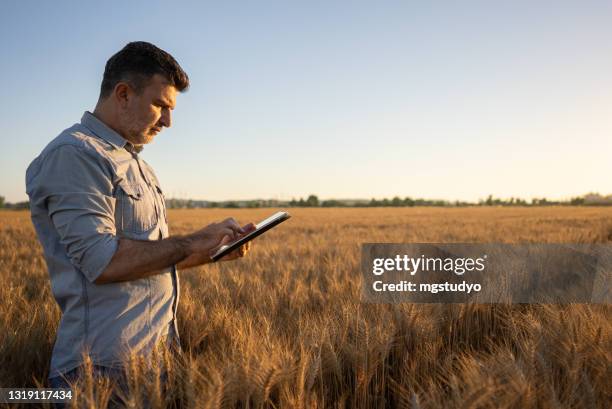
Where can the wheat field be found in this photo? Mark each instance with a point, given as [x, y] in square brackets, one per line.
[285, 327]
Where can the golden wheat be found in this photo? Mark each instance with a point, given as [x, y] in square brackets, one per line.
[286, 327]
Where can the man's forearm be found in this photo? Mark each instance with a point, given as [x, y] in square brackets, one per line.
[136, 259]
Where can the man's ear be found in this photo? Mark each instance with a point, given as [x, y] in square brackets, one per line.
[122, 94]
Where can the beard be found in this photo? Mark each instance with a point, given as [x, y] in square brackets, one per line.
[140, 137]
[140, 129]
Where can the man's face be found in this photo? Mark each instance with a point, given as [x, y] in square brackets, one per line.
[145, 114]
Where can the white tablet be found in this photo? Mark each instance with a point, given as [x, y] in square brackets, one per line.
[260, 228]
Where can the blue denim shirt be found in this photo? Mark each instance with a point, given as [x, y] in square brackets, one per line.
[88, 189]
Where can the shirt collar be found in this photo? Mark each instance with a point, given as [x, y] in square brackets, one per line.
[105, 132]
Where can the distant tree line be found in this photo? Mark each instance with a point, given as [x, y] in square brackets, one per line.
[14, 206]
[591, 199]
[312, 200]
[229, 204]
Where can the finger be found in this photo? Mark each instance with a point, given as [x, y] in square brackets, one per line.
[249, 227]
[233, 224]
[233, 255]
[226, 231]
[225, 240]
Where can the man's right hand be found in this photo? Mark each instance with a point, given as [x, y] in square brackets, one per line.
[202, 242]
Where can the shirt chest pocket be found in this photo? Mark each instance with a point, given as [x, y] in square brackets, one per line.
[136, 211]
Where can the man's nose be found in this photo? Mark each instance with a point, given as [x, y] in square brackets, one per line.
[166, 118]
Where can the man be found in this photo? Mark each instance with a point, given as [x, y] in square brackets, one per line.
[99, 213]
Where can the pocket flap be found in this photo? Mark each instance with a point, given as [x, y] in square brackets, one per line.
[133, 191]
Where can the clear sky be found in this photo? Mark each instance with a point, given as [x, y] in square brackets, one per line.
[353, 99]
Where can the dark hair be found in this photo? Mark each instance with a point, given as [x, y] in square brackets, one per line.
[136, 63]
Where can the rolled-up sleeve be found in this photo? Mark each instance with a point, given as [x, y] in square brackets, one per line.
[77, 190]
